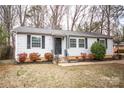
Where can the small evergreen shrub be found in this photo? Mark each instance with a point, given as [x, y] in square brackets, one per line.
[98, 50]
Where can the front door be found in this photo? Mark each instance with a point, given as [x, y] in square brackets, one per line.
[58, 46]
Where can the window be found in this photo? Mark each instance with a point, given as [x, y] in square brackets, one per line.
[73, 43]
[36, 41]
[102, 41]
[28, 41]
[81, 43]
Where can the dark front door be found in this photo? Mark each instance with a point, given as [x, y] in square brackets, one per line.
[58, 46]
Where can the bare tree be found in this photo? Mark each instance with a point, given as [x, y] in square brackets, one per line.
[117, 11]
[67, 16]
[83, 15]
[102, 19]
[91, 11]
[77, 14]
[8, 17]
[58, 11]
[22, 11]
[108, 15]
[111, 14]
[36, 15]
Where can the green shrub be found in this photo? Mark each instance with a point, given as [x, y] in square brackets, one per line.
[98, 50]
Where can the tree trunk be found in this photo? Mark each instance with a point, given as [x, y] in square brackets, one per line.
[108, 19]
[102, 20]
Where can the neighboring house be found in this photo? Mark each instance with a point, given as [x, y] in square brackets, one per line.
[119, 48]
[121, 45]
[29, 39]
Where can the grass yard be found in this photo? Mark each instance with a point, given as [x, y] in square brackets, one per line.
[50, 75]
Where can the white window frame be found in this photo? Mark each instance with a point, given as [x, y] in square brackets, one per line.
[70, 43]
[36, 37]
[79, 43]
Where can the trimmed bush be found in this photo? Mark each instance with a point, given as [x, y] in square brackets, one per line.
[22, 57]
[98, 50]
[48, 56]
[34, 56]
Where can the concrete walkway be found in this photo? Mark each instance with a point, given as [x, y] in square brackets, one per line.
[91, 63]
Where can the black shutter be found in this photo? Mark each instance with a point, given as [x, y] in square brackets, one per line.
[86, 43]
[106, 43]
[97, 39]
[43, 42]
[28, 41]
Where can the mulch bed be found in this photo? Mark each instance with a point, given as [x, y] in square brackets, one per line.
[105, 59]
[42, 62]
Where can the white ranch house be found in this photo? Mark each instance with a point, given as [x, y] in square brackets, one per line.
[29, 40]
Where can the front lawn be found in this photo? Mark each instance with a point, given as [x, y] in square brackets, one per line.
[50, 75]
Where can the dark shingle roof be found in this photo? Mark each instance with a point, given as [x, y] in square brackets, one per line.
[32, 30]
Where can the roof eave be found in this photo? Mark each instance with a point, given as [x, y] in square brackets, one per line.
[61, 35]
